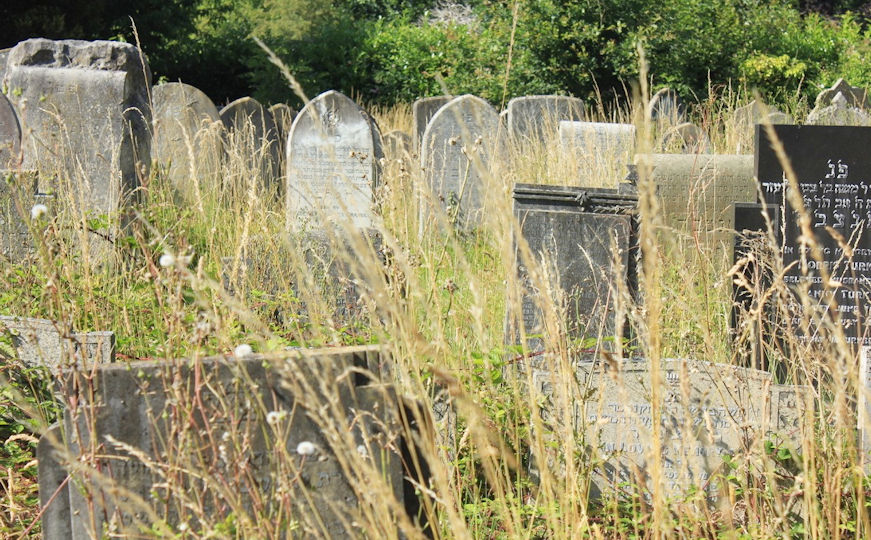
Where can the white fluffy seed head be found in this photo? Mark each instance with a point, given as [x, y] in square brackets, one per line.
[305, 448]
[38, 211]
[243, 350]
[166, 260]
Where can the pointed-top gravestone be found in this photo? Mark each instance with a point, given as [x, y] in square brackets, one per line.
[422, 112]
[839, 113]
[252, 132]
[855, 96]
[686, 138]
[332, 165]
[10, 136]
[533, 118]
[186, 120]
[84, 115]
[459, 141]
[666, 108]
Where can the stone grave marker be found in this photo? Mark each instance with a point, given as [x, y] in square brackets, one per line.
[603, 150]
[833, 174]
[252, 133]
[839, 113]
[41, 342]
[84, 116]
[422, 112]
[666, 108]
[10, 136]
[188, 135]
[746, 117]
[333, 152]
[289, 436]
[4, 57]
[708, 412]
[536, 118]
[460, 139]
[864, 408]
[17, 197]
[54, 493]
[282, 116]
[581, 241]
[686, 138]
[697, 193]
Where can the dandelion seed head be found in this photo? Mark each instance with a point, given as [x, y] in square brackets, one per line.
[166, 260]
[38, 211]
[243, 350]
[305, 448]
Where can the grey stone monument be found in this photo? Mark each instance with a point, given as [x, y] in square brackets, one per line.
[422, 112]
[282, 116]
[708, 412]
[460, 141]
[188, 135]
[84, 115]
[581, 244]
[536, 118]
[748, 116]
[333, 152]
[840, 112]
[10, 136]
[41, 342]
[4, 57]
[666, 108]
[17, 197]
[686, 138]
[253, 136]
[603, 150]
[298, 442]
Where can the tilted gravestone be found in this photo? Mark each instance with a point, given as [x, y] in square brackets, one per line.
[603, 150]
[299, 443]
[709, 413]
[253, 137]
[697, 193]
[458, 149]
[833, 172]
[536, 118]
[45, 343]
[686, 138]
[333, 152]
[841, 105]
[188, 135]
[581, 243]
[422, 112]
[84, 115]
[10, 136]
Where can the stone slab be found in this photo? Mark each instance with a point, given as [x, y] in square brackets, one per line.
[603, 150]
[54, 493]
[10, 136]
[333, 152]
[17, 197]
[422, 112]
[41, 342]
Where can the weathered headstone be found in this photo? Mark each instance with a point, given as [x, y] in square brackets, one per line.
[292, 440]
[253, 136]
[581, 243]
[746, 117]
[666, 108]
[833, 172]
[536, 118]
[855, 96]
[282, 116]
[709, 412]
[17, 197]
[686, 138]
[422, 112]
[333, 152]
[40, 342]
[84, 115]
[460, 141]
[54, 489]
[697, 193]
[10, 136]
[840, 112]
[603, 150]
[188, 135]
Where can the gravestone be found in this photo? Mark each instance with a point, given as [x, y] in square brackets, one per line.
[855, 96]
[864, 408]
[422, 112]
[188, 135]
[686, 138]
[282, 116]
[697, 193]
[666, 108]
[581, 242]
[17, 197]
[460, 140]
[4, 57]
[603, 150]
[708, 412]
[10, 136]
[333, 152]
[253, 137]
[54, 490]
[536, 118]
[41, 342]
[84, 116]
[833, 174]
[839, 113]
[746, 117]
[291, 438]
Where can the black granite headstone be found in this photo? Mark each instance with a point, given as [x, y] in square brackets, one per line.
[834, 177]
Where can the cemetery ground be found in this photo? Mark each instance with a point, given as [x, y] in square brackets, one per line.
[207, 267]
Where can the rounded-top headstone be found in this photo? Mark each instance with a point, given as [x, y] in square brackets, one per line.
[84, 115]
[686, 138]
[533, 118]
[10, 135]
[252, 131]
[667, 108]
[422, 112]
[460, 139]
[282, 117]
[332, 165]
[185, 119]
